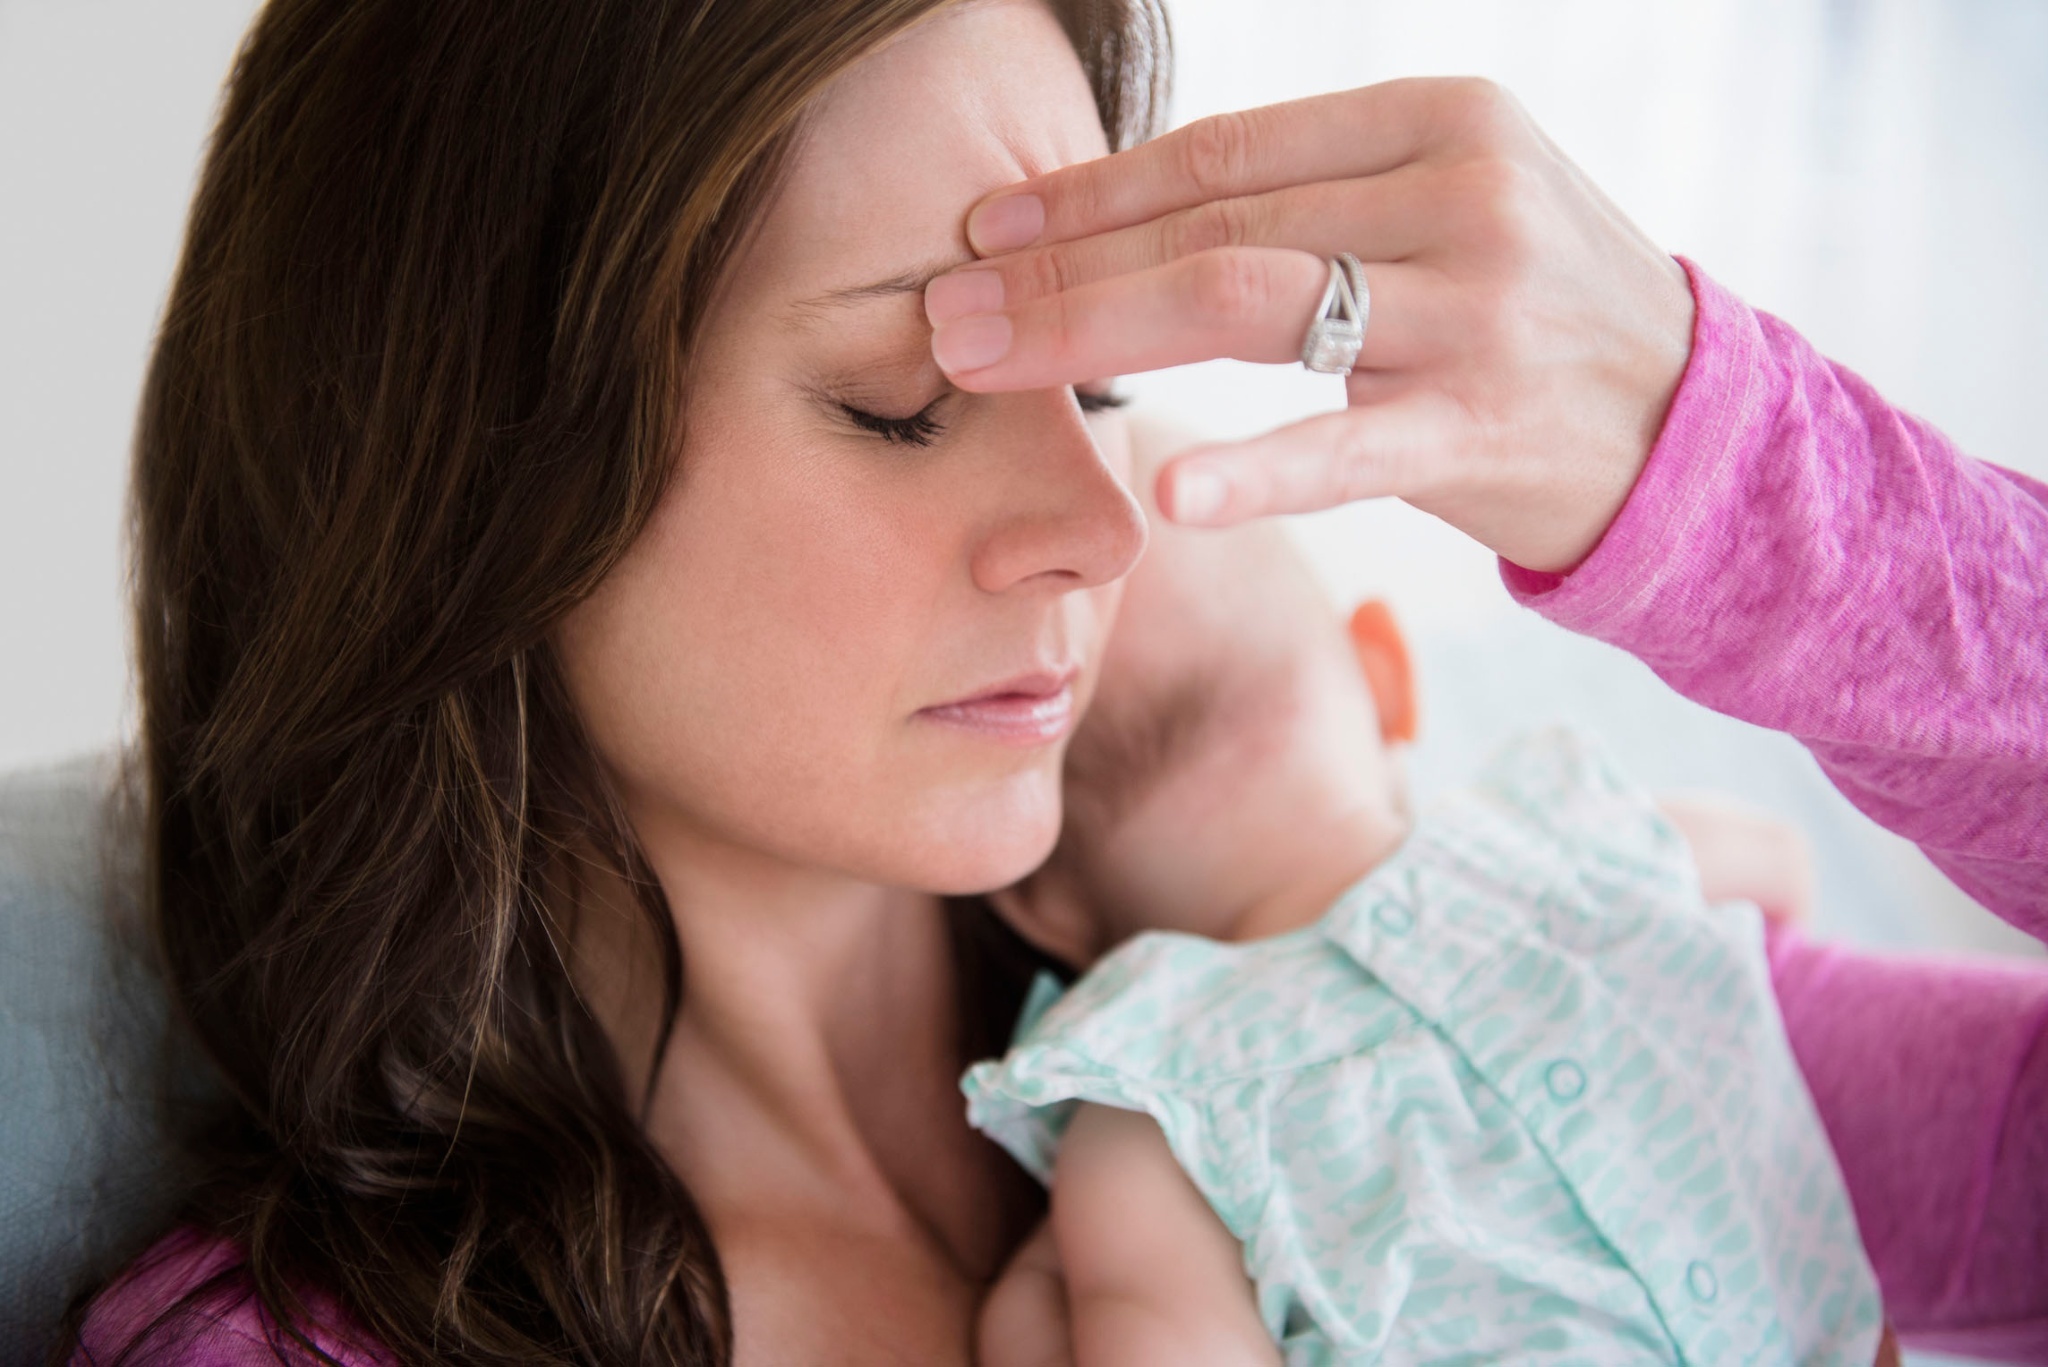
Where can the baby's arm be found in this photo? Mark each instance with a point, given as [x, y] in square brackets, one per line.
[1023, 1323]
[1152, 1275]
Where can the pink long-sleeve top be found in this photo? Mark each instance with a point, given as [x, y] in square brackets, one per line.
[1801, 555]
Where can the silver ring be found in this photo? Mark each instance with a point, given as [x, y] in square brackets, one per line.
[1338, 331]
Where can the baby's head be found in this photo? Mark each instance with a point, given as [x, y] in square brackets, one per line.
[1232, 774]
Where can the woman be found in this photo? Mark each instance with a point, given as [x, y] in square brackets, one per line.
[579, 660]
[1663, 468]
[552, 853]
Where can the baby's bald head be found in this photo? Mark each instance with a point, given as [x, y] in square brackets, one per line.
[1215, 627]
[1231, 736]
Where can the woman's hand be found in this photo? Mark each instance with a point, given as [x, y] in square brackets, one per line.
[1525, 337]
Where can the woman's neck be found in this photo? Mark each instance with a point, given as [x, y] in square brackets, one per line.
[813, 1065]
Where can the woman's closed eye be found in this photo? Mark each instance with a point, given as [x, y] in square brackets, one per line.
[922, 428]
[919, 429]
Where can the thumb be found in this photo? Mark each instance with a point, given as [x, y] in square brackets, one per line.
[1370, 451]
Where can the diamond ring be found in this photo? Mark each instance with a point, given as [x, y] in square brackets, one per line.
[1334, 338]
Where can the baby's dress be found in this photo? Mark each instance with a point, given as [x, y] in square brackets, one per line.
[1519, 1095]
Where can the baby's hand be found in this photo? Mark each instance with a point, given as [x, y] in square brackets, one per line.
[1023, 1322]
[1746, 853]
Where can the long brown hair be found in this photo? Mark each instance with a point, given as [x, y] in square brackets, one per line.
[419, 383]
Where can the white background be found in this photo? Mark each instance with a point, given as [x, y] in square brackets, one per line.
[1875, 171]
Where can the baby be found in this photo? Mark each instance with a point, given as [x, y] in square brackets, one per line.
[1339, 1086]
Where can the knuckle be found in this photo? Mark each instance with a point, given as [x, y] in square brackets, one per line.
[1076, 194]
[1316, 473]
[1362, 477]
[1479, 111]
[1217, 223]
[1229, 286]
[1493, 323]
[1064, 328]
[1089, 197]
[1043, 273]
[1494, 203]
[1215, 153]
[1351, 457]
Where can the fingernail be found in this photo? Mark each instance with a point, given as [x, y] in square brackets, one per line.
[960, 293]
[970, 343]
[1005, 224]
[1198, 495]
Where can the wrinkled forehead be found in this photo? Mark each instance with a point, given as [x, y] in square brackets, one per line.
[898, 147]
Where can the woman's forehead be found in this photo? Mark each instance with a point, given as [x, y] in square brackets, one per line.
[901, 145]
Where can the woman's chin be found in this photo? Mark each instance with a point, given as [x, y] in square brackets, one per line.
[989, 841]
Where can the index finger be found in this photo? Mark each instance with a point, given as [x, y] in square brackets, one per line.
[1340, 136]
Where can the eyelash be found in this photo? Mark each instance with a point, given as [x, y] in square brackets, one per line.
[922, 429]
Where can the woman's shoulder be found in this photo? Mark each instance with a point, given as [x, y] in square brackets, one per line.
[189, 1301]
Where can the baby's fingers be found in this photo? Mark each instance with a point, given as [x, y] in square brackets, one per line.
[1369, 451]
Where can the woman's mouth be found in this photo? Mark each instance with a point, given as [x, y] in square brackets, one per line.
[1031, 709]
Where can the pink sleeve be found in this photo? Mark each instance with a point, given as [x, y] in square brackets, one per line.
[223, 1325]
[1801, 555]
[1931, 1077]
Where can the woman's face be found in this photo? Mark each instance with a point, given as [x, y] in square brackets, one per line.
[859, 627]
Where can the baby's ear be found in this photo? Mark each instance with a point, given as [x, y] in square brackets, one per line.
[1382, 655]
[1047, 909]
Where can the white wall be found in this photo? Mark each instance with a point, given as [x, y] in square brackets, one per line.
[103, 107]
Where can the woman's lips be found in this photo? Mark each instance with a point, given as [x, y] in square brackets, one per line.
[1033, 709]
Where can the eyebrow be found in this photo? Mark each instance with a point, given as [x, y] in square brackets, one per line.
[911, 281]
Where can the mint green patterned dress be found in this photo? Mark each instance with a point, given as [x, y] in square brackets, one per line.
[1519, 1095]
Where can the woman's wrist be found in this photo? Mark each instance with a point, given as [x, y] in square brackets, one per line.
[1662, 513]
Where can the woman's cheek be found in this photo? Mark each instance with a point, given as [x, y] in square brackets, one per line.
[762, 652]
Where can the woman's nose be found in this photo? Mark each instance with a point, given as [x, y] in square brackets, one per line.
[1058, 513]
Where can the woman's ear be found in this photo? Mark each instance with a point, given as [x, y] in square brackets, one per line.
[1382, 656]
[1047, 909]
